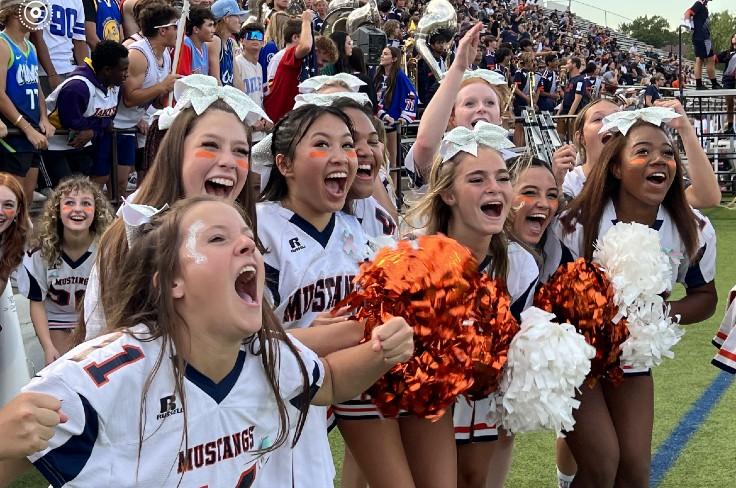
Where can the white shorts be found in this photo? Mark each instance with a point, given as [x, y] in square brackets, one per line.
[471, 420]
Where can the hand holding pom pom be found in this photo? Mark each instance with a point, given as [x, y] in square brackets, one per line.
[395, 339]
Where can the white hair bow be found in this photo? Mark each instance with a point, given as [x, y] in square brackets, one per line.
[490, 77]
[135, 215]
[313, 84]
[326, 99]
[201, 91]
[466, 140]
[623, 121]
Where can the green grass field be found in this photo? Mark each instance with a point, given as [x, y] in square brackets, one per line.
[707, 458]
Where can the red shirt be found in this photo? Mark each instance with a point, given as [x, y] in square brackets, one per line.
[285, 86]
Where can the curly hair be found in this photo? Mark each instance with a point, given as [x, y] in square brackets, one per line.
[49, 234]
[13, 239]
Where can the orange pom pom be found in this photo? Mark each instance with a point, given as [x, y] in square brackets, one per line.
[580, 294]
[461, 320]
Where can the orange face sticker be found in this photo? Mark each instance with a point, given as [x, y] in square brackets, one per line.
[316, 153]
[203, 153]
[243, 163]
[639, 161]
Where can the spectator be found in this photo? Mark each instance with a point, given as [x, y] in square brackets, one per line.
[651, 94]
[503, 62]
[274, 43]
[149, 83]
[392, 28]
[320, 8]
[549, 87]
[489, 57]
[610, 78]
[280, 98]
[344, 44]
[359, 69]
[698, 15]
[102, 21]
[577, 91]
[21, 102]
[426, 80]
[85, 104]
[251, 40]
[61, 44]
[194, 57]
[228, 17]
[729, 81]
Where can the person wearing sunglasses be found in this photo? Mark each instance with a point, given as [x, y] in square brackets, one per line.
[251, 41]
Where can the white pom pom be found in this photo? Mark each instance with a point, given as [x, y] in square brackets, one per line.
[632, 257]
[640, 271]
[547, 362]
[652, 335]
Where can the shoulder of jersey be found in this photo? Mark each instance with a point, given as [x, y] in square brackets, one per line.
[117, 359]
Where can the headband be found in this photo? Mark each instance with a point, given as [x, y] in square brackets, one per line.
[313, 84]
[326, 99]
[201, 91]
[623, 121]
[135, 216]
[466, 140]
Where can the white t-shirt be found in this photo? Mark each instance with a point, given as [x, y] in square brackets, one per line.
[252, 75]
[574, 181]
[101, 384]
[273, 65]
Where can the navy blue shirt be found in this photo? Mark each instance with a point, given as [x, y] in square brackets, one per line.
[577, 85]
[652, 91]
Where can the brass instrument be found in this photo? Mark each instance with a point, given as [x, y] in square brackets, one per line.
[296, 7]
[409, 62]
[337, 16]
[365, 15]
[439, 16]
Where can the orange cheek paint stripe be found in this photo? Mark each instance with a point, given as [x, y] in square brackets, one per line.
[317, 154]
[639, 161]
[9, 212]
[243, 163]
[351, 153]
[201, 153]
[66, 208]
[89, 210]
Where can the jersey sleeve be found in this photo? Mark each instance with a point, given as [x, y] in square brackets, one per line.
[70, 448]
[32, 281]
[290, 377]
[94, 315]
[701, 270]
[78, 27]
[90, 11]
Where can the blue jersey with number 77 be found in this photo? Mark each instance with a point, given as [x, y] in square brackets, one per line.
[21, 85]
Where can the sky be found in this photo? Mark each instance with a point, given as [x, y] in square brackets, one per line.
[672, 10]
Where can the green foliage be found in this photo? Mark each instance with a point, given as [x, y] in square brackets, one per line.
[653, 30]
[722, 27]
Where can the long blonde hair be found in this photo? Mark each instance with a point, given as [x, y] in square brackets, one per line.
[49, 234]
[432, 214]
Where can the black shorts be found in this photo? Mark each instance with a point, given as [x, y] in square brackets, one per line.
[729, 82]
[18, 163]
[703, 49]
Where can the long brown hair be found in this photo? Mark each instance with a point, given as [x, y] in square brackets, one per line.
[601, 186]
[49, 235]
[162, 185]
[432, 213]
[143, 296]
[391, 80]
[14, 238]
[580, 120]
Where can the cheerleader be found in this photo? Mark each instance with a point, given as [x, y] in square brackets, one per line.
[56, 270]
[638, 178]
[468, 199]
[704, 191]
[221, 386]
[725, 339]
[14, 229]
[462, 100]
[206, 151]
